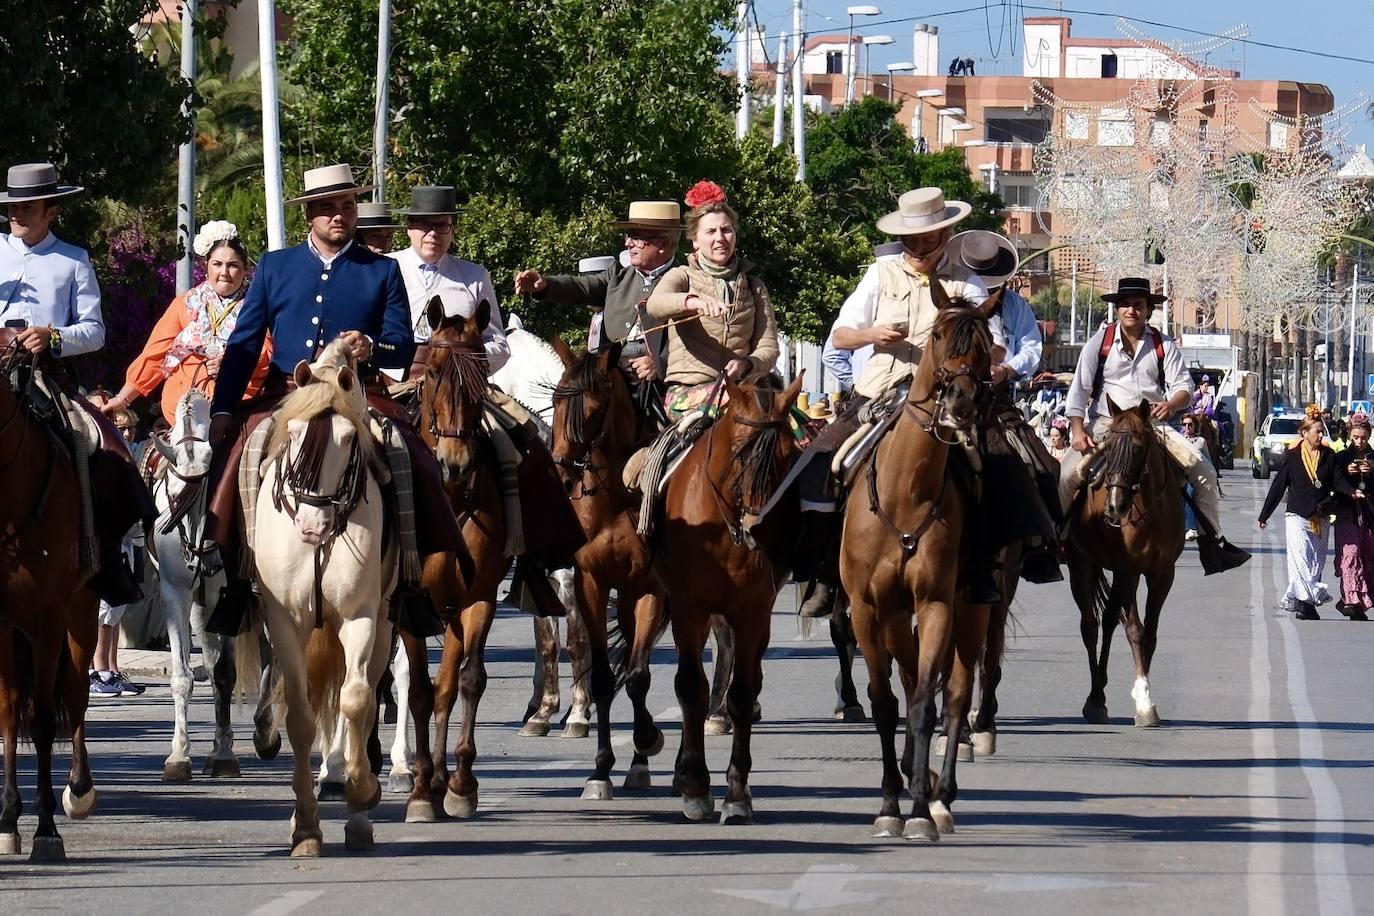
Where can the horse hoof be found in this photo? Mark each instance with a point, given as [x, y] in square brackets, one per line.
[718, 725]
[456, 805]
[1147, 719]
[308, 848]
[985, 744]
[597, 790]
[576, 729]
[78, 807]
[965, 753]
[944, 820]
[637, 779]
[375, 798]
[420, 811]
[10, 844]
[736, 814]
[330, 792]
[267, 749]
[535, 728]
[851, 714]
[358, 834]
[698, 808]
[887, 827]
[222, 769]
[919, 828]
[653, 749]
[400, 783]
[48, 849]
[176, 771]
[1094, 714]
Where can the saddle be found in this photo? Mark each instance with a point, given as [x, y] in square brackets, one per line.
[650, 468]
[875, 419]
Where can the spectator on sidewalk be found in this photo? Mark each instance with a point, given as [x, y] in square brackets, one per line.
[1308, 474]
[1355, 521]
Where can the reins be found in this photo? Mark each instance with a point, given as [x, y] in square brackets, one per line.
[758, 453]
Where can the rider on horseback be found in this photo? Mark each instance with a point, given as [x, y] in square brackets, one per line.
[1128, 362]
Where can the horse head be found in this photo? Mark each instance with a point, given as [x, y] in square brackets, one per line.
[592, 411]
[956, 363]
[453, 389]
[187, 446]
[1124, 459]
[761, 444]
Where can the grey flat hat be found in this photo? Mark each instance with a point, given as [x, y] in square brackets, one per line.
[432, 200]
[35, 181]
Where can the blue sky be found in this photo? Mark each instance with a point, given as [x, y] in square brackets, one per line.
[1333, 26]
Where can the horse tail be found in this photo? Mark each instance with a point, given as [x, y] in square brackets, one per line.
[619, 645]
[324, 665]
[25, 682]
[1102, 594]
[248, 662]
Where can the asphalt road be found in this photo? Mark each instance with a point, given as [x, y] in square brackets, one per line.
[1254, 796]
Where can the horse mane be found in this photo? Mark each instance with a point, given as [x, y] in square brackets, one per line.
[582, 376]
[323, 395]
[1119, 450]
[962, 327]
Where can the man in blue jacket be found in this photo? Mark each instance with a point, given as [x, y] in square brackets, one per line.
[326, 287]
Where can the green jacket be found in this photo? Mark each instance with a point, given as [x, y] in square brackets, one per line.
[619, 293]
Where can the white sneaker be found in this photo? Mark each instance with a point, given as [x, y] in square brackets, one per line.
[1190, 535]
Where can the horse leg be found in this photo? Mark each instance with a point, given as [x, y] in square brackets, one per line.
[692, 779]
[461, 798]
[577, 721]
[420, 701]
[219, 655]
[847, 708]
[751, 642]
[332, 777]
[722, 667]
[11, 804]
[592, 599]
[266, 734]
[445, 693]
[367, 648]
[648, 737]
[922, 656]
[307, 840]
[545, 701]
[401, 778]
[78, 798]
[884, 705]
[1143, 640]
[970, 633]
[984, 731]
[176, 612]
[1082, 582]
[42, 720]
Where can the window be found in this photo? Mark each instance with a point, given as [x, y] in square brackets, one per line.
[1159, 131]
[834, 61]
[1076, 125]
[1115, 128]
[1016, 125]
[1202, 125]
[1018, 191]
[1278, 135]
[1109, 66]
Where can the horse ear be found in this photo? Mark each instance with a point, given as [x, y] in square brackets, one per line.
[302, 374]
[434, 313]
[1143, 408]
[347, 378]
[611, 355]
[789, 394]
[1112, 409]
[482, 316]
[992, 303]
[565, 353]
[164, 448]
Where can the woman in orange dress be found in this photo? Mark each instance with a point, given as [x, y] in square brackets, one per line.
[187, 342]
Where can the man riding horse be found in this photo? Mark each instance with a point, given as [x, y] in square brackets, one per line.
[50, 307]
[1125, 363]
[325, 287]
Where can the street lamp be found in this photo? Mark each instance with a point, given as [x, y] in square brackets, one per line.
[918, 120]
[849, 55]
[869, 42]
[949, 112]
[905, 66]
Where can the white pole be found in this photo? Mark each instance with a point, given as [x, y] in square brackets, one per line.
[1350, 361]
[799, 90]
[779, 89]
[742, 70]
[1164, 315]
[849, 67]
[381, 113]
[1073, 302]
[271, 127]
[186, 166]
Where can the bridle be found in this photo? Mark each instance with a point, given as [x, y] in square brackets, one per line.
[464, 370]
[575, 425]
[757, 452]
[1118, 472]
[193, 496]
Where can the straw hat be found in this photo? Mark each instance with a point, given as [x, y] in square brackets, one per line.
[658, 215]
[329, 181]
[375, 216]
[35, 181]
[819, 411]
[989, 255]
[923, 210]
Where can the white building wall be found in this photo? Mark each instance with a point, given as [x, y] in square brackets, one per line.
[814, 61]
[925, 51]
[1132, 62]
[1041, 50]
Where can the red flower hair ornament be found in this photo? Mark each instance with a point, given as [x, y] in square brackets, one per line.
[703, 193]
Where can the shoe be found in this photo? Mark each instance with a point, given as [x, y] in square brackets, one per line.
[231, 610]
[127, 688]
[1041, 565]
[115, 583]
[1190, 534]
[819, 600]
[1359, 614]
[1307, 611]
[1218, 555]
[104, 688]
[416, 614]
[530, 576]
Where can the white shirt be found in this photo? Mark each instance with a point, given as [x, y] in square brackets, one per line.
[1126, 379]
[457, 282]
[327, 259]
[52, 283]
[860, 309]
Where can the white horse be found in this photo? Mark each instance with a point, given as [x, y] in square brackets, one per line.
[325, 577]
[529, 376]
[184, 590]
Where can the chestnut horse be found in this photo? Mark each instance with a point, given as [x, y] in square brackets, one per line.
[48, 620]
[596, 428]
[709, 566]
[901, 555]
[451, 396]
[1131, 524]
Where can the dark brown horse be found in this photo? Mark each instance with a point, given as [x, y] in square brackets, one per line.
[1129, 524]
[596, 427]
[49, 625]
[710, 567]
[451, 396]
[902, 554]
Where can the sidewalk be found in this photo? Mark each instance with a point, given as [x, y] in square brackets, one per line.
[155, 664]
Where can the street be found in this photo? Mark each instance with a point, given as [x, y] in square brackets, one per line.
[1253, 796]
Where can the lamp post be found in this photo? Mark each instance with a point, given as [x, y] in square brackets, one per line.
[186, 162]
[849, 64]
[869, 41]
[951, 112]
[918, 120]
[905, 66]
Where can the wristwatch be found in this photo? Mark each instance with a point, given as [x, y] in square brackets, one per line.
[55, 341]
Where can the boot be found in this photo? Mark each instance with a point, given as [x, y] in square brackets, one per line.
[531, 576]
[819, 600]
[115, 583]
[231, 610]
[982, 587]
[1040, 564]
[414, 612]
[1307, 611]
[1218, 554]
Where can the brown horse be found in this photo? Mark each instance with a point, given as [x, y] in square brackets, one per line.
[709, 566]
[48, 623]
[902, 554]
[1131, 524]
[451, 396]
[596, 427]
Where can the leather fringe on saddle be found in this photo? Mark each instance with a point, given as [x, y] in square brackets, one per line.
[403, 487]
[655, 462]
[83, 446]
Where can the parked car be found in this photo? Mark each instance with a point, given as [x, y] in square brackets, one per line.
[1276, 436]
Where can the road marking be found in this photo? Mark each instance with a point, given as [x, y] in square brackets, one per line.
[672, 712]
[818, 888]
[1264, 888]
[286, 903]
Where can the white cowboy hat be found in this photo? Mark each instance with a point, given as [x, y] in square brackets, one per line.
[923, 210]
[329, 181]
[375, 215]
[659, 215]
[989, 255]
[35, 181]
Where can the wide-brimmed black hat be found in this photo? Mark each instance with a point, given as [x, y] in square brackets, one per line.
[1134, 286]
[35, 181]
[432, 200]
